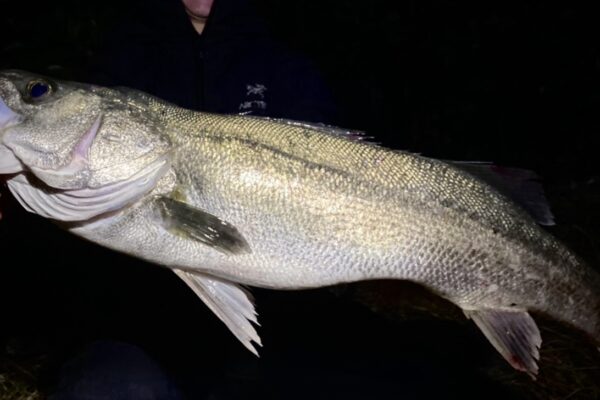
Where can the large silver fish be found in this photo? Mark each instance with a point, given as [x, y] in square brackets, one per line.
[230, 200]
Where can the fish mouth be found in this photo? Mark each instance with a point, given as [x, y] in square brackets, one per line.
[9, 164]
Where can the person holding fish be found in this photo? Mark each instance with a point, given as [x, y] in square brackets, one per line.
[215, 56]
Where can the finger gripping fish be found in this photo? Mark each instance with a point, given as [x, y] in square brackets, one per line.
[227, 200]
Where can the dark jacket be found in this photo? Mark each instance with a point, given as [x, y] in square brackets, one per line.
[235, 66]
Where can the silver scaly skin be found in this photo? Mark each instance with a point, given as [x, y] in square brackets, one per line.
[226, 200]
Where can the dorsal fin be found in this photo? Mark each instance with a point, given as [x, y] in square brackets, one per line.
[520, 185]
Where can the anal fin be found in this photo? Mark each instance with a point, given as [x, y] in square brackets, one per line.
[230, 302]
[514, 334]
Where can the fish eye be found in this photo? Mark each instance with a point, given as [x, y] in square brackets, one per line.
[37, 89]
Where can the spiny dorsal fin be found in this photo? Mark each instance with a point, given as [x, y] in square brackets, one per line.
[230, 302]
[182, 219]
[520, 185]
[514, 334]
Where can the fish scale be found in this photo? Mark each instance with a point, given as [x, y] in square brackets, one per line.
[225, 200]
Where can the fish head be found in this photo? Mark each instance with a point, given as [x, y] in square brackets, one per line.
[72, 135]
[41, 126]
[64, 137]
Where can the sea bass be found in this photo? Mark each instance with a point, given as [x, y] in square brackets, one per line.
[229, 200]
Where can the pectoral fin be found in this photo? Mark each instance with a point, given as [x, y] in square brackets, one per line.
[193, 223]
[232, 304]
[514, 334]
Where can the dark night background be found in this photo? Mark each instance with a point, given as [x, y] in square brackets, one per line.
[513, 83]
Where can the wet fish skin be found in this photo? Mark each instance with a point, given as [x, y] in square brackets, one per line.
[304, 206]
